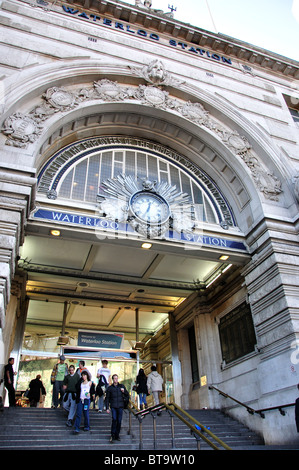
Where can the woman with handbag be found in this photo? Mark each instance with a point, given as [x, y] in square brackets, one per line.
[85, 389]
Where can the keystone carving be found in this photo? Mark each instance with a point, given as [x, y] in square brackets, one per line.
[155, 73]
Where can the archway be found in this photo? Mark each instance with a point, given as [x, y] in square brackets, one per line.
[192, 124]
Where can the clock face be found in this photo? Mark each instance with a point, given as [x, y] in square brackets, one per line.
[149, 207]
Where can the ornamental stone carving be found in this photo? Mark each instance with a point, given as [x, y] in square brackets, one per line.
[153, 96]
[23, 129]
[295, 181]
[20, 129]
[238, 144]
[196, 113]
[155, 73]
[267, 183]
[52, 194]
[60, 99]
[109, 91]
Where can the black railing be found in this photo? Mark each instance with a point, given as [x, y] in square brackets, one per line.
[199, 431]
[251, 410]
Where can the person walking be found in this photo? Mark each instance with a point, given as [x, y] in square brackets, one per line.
[154, 383]
[104, 376]
[81, 368]
[84, 392]
[9, 381]
[69, 399]
[60, 370]
[141, 388]
[116, 396]
[36, 391]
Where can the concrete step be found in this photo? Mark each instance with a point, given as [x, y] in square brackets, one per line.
[44, 428]
[229, 431]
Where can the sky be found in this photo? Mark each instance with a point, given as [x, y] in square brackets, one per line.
[270, 24]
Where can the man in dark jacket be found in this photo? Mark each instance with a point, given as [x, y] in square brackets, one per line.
[8, 381]
[115, 397]
[36, 391]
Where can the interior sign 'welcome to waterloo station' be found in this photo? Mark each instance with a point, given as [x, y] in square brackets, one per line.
[145, 34]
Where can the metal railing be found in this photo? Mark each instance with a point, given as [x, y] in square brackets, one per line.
[251, 410]
[197, 429]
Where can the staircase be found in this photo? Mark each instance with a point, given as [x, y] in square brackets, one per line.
[45, 429]
[232, 433]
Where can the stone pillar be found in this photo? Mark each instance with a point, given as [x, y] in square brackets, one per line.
[17, 194]
[208, 359]
[176, 365]
[272, 282]
[184, 355]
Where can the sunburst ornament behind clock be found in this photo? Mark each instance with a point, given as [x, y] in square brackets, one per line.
[151, 208]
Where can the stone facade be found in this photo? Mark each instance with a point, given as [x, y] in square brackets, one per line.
[72, 72]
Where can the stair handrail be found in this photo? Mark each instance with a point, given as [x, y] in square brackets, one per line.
[197, 423]
[252, 410]
[199, 431]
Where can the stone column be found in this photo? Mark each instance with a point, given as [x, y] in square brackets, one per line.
[17, 194]
[272, 282]
[207, 354]
[176, 365]
[184, 356]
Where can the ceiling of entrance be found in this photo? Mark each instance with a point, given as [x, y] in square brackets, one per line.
[104, 284]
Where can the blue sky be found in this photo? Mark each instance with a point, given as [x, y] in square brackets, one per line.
[270, 24]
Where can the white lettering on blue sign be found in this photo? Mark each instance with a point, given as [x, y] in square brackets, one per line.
[113, 229]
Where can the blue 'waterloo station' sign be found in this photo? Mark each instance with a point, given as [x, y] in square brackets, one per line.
[145, 34]
[112, 229]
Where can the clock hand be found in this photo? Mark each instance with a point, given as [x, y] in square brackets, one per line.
[148, 207]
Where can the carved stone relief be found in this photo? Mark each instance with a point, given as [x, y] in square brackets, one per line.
[21, 129]
[296, 185]
[155, 73]
[24, 129]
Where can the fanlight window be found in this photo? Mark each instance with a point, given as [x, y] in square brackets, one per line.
[83, 180]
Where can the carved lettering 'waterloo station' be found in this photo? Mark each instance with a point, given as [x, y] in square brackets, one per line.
[119, 26]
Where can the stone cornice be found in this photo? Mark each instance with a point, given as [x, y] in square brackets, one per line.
[158, 21]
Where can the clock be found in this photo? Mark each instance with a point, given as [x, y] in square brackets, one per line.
[149, 207]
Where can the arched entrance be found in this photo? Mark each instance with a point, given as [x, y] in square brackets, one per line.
[217, 154]
[85, 245]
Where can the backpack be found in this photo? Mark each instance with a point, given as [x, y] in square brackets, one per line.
[102, 386]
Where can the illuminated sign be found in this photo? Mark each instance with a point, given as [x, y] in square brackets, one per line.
[199, 51]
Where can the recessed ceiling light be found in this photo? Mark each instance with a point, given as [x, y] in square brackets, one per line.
[146, 246]
[55, 233]
[224, 257]
[82, 284]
